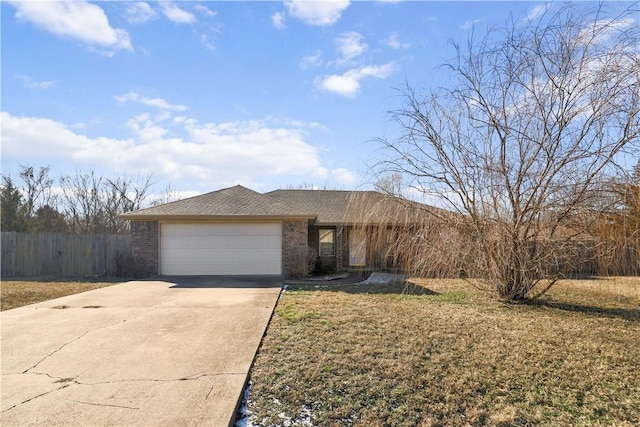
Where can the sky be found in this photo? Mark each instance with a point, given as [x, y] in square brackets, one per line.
[206, 95]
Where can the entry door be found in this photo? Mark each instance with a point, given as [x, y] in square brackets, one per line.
[357, 248]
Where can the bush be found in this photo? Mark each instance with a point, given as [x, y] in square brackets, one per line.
[322, 267]
[127, 266]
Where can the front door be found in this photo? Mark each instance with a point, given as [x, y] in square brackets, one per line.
[357, 248]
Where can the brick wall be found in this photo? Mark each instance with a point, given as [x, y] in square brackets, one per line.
[342, 248]
[144, 245]
[295, 249]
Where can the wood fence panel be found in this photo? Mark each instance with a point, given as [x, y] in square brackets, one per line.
[8, 253]
[120, 246]
[61, 254]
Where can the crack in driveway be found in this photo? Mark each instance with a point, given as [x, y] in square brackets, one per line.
[26, 371]
[67, 382]
[100, 404]
[35, 397]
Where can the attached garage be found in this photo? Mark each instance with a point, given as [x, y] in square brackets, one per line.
[220, 248]
[233, 231]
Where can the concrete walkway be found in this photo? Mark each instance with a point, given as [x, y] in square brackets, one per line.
[144, 353]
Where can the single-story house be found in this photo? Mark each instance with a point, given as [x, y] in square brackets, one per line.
[237, 231]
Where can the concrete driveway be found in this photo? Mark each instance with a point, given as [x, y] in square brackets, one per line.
[171, 352]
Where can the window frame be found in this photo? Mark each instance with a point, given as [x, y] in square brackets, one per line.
[326, 232]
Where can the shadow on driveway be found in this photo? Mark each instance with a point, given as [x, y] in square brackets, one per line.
[233, 282]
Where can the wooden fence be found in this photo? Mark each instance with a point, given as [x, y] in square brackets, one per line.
[63, 255]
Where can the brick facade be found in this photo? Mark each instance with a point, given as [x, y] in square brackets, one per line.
[295, 249]
[144, 245]
[342, 248]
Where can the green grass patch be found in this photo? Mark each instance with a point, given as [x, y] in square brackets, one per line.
[294, 313]
[452, 297]
[452, 356]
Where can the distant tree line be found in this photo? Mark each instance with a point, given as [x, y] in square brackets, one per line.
[84, 202]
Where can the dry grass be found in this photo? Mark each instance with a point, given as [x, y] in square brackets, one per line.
[18, 293]
[454, 356]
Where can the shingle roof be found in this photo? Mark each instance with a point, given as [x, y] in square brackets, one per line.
[230, 202]
[352, 207]
[327, 207]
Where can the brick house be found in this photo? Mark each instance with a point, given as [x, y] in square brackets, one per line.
[237, 231]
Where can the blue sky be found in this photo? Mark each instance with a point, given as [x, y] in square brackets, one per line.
[206, 95]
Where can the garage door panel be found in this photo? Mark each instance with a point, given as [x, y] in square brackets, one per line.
[221, 248]
[214, 243]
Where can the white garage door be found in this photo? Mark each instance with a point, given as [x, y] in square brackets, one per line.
[221, 248]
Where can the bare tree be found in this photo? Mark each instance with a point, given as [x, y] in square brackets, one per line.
[537, 113]
[93, 203]
[37, 188]
[123, 195]
[391, 184]
[83, 203]
[167, 196]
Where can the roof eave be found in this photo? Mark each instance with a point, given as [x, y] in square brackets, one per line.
[142, 217]
[366, 224]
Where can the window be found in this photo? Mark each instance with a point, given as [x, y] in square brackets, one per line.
[327, 242]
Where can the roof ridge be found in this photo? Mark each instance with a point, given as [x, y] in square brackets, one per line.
[236, 200]
[278, 201]
[193, 197]
[322, 190]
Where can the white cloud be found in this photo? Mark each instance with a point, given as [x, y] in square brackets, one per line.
[175, 14]
[344, 177]
[33, 139]
[349, 45]
[537, 11]
[602, 30]
[77, 20]
[348, 84]
[205, 10]
[139, 12]
[278, 20]
[189, 154]
[208, 44]
[257, 142]
[150, 102]
[317, 13]
[393, 41]
[309, 61]
[470, 23]
[31, 83]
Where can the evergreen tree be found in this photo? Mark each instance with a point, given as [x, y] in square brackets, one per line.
[11, 207]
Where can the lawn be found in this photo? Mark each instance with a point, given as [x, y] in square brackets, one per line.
[447, 353]
[17, 293]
